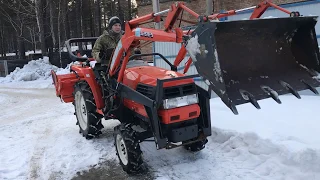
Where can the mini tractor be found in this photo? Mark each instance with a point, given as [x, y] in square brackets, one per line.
[241, 61]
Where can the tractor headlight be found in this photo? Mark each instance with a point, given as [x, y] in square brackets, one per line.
[180, 101]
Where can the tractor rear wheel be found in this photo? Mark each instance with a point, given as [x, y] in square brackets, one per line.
[128, 148]
[88, 119]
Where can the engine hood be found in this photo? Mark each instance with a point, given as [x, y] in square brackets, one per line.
[149, 75]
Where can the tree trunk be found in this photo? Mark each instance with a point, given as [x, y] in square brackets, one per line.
[105, 14]
[120, 12]
[21, 48]
[78, 18]
[39, 17]
[67, 26]
[51, 11]
[64, 17]
[3, 50]
[81, 13]
[59, 31]
[93, 10]
[98, 18]
[129, 10]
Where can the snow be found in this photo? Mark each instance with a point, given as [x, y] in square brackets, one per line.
[34, 70]
[40, 140]
[193, 47]
[64, 49]
[27, 53]
[269, 17]
[45, 142]
[38, 72]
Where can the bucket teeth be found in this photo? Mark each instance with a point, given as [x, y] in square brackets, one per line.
[272, 93]
[233, 108]
[314, 90]
[249, 97]
[290, 89]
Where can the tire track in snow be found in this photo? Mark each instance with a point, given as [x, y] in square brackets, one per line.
[38, 152]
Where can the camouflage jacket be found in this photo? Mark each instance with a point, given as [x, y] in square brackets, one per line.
[104, 42]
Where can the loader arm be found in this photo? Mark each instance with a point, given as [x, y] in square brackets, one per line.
[241, 61]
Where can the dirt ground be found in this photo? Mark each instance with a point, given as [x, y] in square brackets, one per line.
[112, 171]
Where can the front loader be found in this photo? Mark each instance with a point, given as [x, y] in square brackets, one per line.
[241, 61]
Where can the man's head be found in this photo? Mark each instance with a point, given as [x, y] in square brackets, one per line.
[115, 24]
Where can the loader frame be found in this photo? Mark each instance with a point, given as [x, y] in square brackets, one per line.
[133, 33]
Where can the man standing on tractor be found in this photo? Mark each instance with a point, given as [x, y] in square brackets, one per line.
[109, 39]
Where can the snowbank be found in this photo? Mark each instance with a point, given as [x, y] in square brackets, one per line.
[295, 117]
[36, 70]
[232, 155]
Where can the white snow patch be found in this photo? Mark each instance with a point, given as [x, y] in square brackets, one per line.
[317, 77]
[193, 47]
[34, 70]
[217, 69]
[38, 72]
[269, 17]
[291, 123]
[232, 155]
[46, 143]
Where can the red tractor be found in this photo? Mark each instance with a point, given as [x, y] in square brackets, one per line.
[241, 61]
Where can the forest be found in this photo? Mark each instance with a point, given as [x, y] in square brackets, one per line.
[30, 25]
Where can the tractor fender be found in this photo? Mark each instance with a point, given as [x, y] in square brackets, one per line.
[86, 73]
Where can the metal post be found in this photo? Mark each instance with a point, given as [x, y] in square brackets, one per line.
[209, 7]
[5, 63]
[156, 8]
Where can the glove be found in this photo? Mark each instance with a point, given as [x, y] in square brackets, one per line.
[93, 63]
[97, 66]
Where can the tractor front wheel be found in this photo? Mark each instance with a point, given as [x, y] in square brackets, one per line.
[88, 119]
[128, 148]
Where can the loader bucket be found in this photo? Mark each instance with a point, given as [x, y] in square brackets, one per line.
[250, 60]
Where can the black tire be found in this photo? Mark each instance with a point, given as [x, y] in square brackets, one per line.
[88, 119]
[197, 146]
[130, 154]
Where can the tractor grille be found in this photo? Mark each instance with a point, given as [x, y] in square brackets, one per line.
[146, 90]
[169, 92]
[178, 91]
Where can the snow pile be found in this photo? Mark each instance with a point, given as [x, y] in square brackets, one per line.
[292, 123]
[232, 155]
[35, 70]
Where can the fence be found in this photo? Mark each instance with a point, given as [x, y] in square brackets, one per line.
[8, 66]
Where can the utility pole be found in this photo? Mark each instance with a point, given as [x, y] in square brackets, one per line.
[209, 7]
[156, 8]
